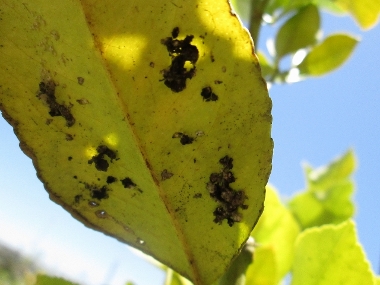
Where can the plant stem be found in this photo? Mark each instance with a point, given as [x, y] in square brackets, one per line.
[255, 21]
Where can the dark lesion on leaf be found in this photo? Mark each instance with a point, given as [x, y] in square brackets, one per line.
[208, 95]
[98, 192]
[183, 138]
[128, 183]
[181, 52]
[229, 200]
[165, 174]
[47, 94]
[111, 179]
[99, 160]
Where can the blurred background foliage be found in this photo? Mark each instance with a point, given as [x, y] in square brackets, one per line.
[297, 51]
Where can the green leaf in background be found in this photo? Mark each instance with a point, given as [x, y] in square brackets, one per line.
[242, 8]
[173, 278]
[328, 176]
[235, 275]
[264, 267]
[275, 6]
[328, 55]
[278, 229]
[365, 12]
[49, 280]
[328, 196]
[267, 67]
[298, 32]
[330, 254]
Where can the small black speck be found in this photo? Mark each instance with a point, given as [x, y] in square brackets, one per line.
[69, 158]
[175, 32]
[111, 179]
[80, 80]
[128, 183]
[208, 95]
[75, 177]
[185, 139]
[99, 194]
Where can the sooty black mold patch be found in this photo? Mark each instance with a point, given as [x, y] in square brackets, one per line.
[128, 183]
[208, 95]
[184, 139]
[47, 94]
[229, 199]
[101, 163]
[165, 174]
[181, 52]
[98, 192]
[111, 179]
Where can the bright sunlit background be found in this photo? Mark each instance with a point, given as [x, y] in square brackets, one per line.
[314, 121]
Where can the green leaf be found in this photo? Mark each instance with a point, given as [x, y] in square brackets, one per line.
[242, 8]
[235, 274]
[328, 197]
[298, 32]
[365, 12]
[49, 280]
[125, 128]
[263, 270]
[338, 170]
[275, 6]
[328, 55]
[267, 67]
[173, 278]
[278, 229]
[330, 254]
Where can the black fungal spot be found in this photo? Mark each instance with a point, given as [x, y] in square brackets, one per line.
[75, 177]
[77, 199]
[197, 195]
[175, 32]
[69, 158]
[208, 95]
[111, 179]
[47, 94]
[181, 52]
[165, 174]
[184, 139]
[80, 80]
[69, 137]
[97, 192]
[101, 163]
[229, 199]
[128, 183]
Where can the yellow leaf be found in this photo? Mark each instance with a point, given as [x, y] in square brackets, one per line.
[127, 109]
[365, 12]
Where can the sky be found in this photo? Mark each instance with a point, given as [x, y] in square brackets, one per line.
[314, 121]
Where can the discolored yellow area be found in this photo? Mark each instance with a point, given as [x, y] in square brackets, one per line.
[110, 168]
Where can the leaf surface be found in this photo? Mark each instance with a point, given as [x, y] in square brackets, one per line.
[328, 55]
[49, 280]
[298, 32]
[276, 231]
[330, 254]
[365, 12]
[328, 197]
[127, 109]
